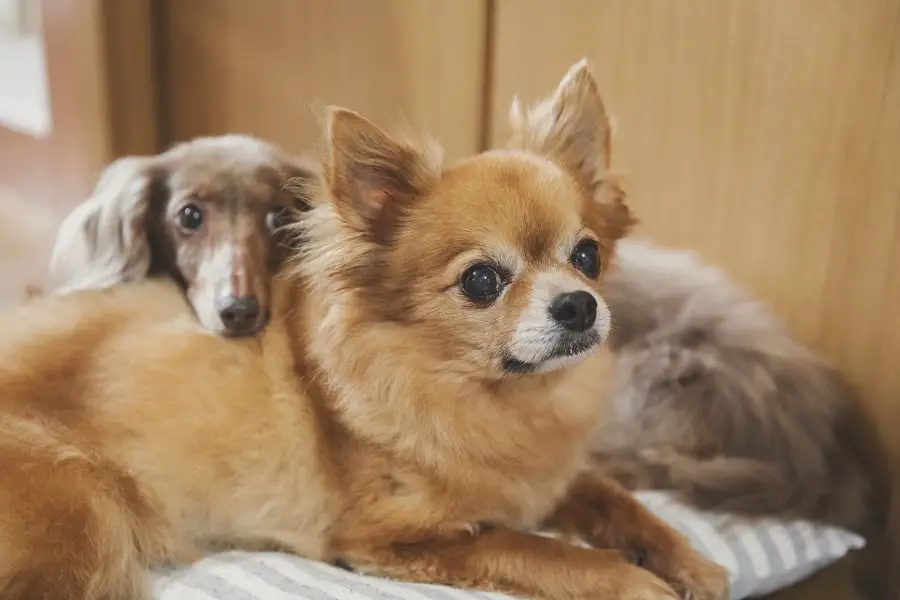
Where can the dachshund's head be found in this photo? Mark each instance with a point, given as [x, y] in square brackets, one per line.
[206, 212]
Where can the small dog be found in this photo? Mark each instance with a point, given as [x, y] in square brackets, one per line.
[421, 398]
[716, 401]
[204, 213]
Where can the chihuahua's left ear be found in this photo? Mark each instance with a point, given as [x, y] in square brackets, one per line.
[371, 176]
[571, 128]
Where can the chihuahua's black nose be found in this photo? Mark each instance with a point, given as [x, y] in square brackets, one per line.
[239, 315]
[575, 311]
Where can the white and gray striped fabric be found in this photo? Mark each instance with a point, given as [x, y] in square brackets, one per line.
[761, 555]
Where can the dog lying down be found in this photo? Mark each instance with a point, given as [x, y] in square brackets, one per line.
[207, 212]
[714, 400]
[203, 213]
[421, 397]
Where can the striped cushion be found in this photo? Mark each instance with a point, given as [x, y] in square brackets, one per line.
[761, 556]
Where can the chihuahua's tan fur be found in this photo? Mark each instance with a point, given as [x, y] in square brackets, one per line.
[393, 415]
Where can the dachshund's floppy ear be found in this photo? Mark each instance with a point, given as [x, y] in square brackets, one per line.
[104, 240]
[300, 176]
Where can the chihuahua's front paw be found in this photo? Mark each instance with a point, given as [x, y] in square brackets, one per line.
[634, 583]
[690, 574]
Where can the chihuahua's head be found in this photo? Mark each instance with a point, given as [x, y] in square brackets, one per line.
[493, 266]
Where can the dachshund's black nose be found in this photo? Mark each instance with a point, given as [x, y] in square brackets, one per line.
[239, 315]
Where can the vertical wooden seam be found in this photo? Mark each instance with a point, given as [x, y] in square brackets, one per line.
[131, 76]
[159, 20]
[487, 73]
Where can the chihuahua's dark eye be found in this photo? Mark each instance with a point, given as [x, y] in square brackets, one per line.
[586, 258]
[480, 283]
[190, 218]
[278, 218]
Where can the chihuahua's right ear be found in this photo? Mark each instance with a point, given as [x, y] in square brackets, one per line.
[371, 176]
[104, 240]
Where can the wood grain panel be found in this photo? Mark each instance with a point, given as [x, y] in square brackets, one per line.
[258, 67]
[759, 132]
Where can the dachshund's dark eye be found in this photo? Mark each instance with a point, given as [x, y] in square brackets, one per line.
[279, 217]
[190, 218]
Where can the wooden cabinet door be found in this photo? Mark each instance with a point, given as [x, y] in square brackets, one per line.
[261, 67]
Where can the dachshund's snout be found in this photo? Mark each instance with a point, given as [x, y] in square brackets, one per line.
[241, 316]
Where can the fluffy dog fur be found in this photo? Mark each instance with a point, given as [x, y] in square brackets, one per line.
[375, 420]
[132, 227]
[715, 400]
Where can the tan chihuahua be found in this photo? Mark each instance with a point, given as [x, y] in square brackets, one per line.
[420, 400]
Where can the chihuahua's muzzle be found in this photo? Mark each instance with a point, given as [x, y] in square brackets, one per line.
[563, 322]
